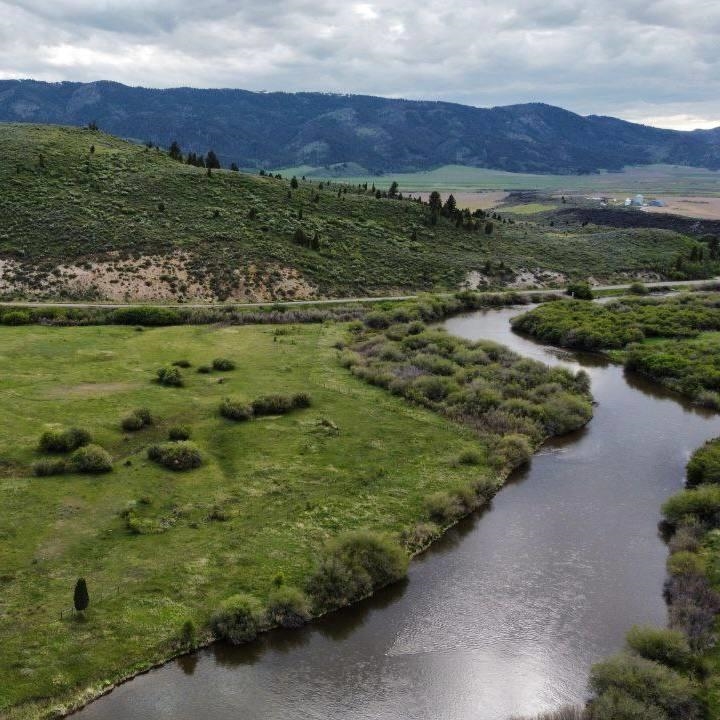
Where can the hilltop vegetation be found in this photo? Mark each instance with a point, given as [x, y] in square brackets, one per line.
[379, 134]
[89, 216]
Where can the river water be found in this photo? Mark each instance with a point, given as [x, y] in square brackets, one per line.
[503, 616]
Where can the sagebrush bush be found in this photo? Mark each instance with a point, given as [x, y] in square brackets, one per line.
[50, 466]
[223, 364]
[280, 404]
[64, 440]
[235, 409]
[204, 369]
[238, 619]
[182, 363]
[170, 377]
[137, 420]
[288, 607]
[352, 566]
[91, 459]
[179, 432]
[184, 455]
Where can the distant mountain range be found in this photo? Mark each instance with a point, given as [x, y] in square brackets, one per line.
[273, 130]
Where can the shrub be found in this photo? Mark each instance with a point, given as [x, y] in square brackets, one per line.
[442, 507]
[137, 420]
[91, 459]
[148, 316]
[702, 502]
[170, 377]
[648, 683]
[204, 369]
[668, 647]
[64, 440]
[638, 288]
[238, 619]
[179, 432]
[272, 405]
[16, 317]
[50, 466]
[420, 535]
[188, 634]
[182, 364]
[685, 563]
[704, 465]
[301, 400]
[353, 565]
[184, 455]
[471, 456]
[288, 607]
[223, 364]
[514, 450]
[235, 410]
[580, 291]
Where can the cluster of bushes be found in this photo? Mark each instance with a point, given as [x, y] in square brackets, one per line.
[137, 419]
[180, 455]
[352, 566]
[265, 405]
[153, 316]
[513, 403]
[690, 367]
[587, 326]
[84, 456]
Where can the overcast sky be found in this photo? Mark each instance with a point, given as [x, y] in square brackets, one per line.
[651, 61]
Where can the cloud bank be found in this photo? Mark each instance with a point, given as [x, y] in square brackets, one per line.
[654, 62]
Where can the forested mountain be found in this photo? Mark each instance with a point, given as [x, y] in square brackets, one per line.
[287, 129]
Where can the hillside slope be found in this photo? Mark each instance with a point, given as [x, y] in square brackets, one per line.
[89, 216]
[379, 134]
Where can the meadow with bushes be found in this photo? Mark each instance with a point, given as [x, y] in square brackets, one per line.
[212, 481]
[674, 341]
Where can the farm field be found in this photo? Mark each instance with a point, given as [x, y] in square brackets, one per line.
[167, 547]
[648, 179]
[707, 208]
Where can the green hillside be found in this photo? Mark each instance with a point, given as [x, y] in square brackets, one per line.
[125, 222]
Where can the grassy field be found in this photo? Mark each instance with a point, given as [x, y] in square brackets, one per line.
[659, 179]
[129, 223]
[271, 490]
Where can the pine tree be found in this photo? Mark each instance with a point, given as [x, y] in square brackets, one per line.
[212, 161]
[294, 183]
[234, 167]
[435, 202]
[81, 598]
[450, 206]
[175, 152]
[392, 192]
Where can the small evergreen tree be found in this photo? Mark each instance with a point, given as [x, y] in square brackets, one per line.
[175, 152]
[92, 149]
[81, 598]
[212, 161]
[393, 191]
[234, 167]
[435, 202]
[294, 183]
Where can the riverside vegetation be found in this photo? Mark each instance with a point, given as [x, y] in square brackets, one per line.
[674, 341]
[87, 216]
[270, 487]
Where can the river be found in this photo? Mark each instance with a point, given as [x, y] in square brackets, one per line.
[505, 614]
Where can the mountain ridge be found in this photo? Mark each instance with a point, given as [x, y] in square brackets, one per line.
[280, 129]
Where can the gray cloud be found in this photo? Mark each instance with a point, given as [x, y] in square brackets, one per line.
[653, 62]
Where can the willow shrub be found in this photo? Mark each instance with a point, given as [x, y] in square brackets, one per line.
[184, 455]
[91, 459]
[288, 607]
[238, 619]
[352, 566]
[668, 647]
[704, 465]
[702, 502]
